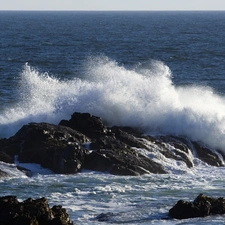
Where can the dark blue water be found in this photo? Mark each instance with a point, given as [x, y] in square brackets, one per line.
[191, 44]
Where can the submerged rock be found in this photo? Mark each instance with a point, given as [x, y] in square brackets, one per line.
[105, 217]
[32, 212]
[202, 206]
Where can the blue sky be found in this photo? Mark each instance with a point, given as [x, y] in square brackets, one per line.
[112, 5]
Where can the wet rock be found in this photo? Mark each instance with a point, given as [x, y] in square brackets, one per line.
[121, 162]
[206, 155]
[104, 217]
[112, 147]
[26, 171]
[107, 142]
[4, 157]
[91, 126]
[181, 149]
[117, 150]
[128, 136]
[202, 206]
[55, 147]
[31, 212]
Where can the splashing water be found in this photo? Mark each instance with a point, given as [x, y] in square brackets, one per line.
[144, 97]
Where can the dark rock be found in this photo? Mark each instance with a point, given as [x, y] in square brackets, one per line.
[202, 206]
[127, 171]
[117, 150]
[9, 146]
[103, 217]
[112, 147]
[31, 212]
[121, 162]
[28, 172]
[181, 151]
[128, 136]
[206, 155]
[61, 217]
[184, 210]
[55, 147]
[97, 161]
[107, 142]
[91, 126]
[4, 157]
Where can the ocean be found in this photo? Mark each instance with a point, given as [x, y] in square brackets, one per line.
[163, 72]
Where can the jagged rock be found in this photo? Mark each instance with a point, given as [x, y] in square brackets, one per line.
[181, 151]
[117, 150]
[202, 206]
[55, 147]
[121, 162]
[106, 142]
[91, 126]
[206, 155]
[128, 136]
[31, 212]
[112, 147]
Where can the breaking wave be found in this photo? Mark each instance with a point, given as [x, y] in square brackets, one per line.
[143, 97]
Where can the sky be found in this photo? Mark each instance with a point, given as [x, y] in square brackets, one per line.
[112, 4]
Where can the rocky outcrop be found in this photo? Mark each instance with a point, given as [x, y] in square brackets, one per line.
[121, 162]
[55, 147]
[112, 148]
[85, 142]
[200, 207]
[32, 212]
[90, 125]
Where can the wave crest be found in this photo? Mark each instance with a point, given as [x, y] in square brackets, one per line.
[143, 97]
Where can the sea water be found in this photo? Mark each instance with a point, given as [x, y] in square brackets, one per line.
[161, 72]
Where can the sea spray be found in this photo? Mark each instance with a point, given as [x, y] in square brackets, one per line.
[143, 97]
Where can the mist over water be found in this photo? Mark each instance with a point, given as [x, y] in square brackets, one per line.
[143, 97]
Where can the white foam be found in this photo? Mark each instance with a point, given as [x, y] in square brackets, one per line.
[11, 170]
[143, 97]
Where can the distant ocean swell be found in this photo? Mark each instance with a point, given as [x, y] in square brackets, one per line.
[143, 97]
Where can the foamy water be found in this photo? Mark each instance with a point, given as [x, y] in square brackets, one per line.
[143, 97]
[131, 200]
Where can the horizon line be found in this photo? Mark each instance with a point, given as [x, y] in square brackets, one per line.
[117, 10]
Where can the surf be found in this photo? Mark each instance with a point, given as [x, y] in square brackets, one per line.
[142, 97]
